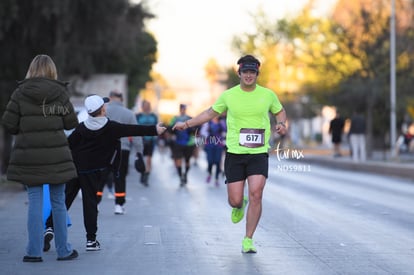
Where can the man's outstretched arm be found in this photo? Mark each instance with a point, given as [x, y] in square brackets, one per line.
[195, 121]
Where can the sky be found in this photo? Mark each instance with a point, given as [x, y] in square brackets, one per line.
[190, 32]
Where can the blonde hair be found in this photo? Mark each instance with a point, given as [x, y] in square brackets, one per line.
[42, 66]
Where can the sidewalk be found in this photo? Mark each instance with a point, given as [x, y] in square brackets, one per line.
[379, 163]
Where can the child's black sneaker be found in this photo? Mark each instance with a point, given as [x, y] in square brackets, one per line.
[47, 238]
[92, 245]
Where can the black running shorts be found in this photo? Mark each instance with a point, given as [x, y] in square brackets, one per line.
[182, 151]
[238, 167]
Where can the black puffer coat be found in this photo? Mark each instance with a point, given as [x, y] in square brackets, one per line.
[37, 113]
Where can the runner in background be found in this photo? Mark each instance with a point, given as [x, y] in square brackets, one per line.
[147, 117]
[213, 134]
[183, 145]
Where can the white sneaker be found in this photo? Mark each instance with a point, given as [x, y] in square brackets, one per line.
[110, 193]
[119, 210]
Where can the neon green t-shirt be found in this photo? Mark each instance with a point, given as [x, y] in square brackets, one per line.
[248, 123]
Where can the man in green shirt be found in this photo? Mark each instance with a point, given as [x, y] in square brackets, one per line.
[248, 131]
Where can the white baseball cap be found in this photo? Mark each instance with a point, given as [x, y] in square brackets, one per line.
[94, 102]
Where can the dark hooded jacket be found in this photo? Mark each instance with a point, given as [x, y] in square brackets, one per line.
[37, 114]
[96, 149]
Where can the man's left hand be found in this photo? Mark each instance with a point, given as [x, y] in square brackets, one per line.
[281, 129]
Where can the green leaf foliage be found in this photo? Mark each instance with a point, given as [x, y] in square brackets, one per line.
[83, 38]
[342, 59]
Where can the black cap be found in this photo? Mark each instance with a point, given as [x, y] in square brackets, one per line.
[249, 67]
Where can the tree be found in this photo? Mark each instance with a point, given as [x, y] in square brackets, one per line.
[366, 32]
[83, 38]
[342, 60]
[299, 54]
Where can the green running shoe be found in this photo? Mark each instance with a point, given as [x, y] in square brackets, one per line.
[247, 246]
[237, 214]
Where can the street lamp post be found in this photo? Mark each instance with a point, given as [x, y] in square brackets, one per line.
[393, 136]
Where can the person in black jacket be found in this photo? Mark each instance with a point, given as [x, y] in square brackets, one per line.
[116, 111]
[37, 114]
[336, 129]
[95, 145]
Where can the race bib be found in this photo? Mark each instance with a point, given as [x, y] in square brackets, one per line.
[251, 138]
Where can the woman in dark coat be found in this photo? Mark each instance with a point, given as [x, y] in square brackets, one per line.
[336, 129]
[38, 112]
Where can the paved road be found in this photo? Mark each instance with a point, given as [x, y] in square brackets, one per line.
[315, 221]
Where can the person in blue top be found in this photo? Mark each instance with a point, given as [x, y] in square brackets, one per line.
[213, 138]
[147, 117]
[183, 145]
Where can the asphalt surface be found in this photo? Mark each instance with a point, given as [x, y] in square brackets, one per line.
[173, 230]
